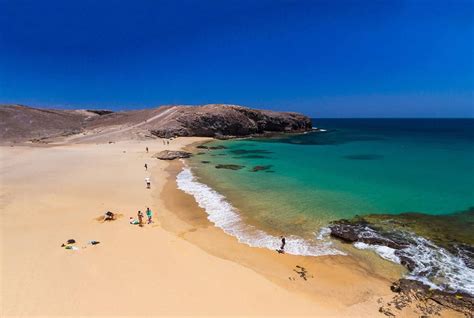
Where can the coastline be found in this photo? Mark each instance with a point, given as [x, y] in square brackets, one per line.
[181, 265]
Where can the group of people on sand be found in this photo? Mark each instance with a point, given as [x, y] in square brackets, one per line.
[139, 220]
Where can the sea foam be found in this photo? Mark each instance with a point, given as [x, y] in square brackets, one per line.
[433, 265]
[225, 216]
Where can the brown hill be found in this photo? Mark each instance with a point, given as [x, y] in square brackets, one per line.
[21, 123]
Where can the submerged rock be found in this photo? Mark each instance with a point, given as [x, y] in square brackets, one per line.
[260, 168]
[229, 166]
[171, 155]
[211, 147]
[250, 151]
[252, 157]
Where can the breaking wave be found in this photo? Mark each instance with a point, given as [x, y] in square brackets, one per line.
[225, 216]
[428, 263]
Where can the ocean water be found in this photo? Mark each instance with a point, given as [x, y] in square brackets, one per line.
[296, 185]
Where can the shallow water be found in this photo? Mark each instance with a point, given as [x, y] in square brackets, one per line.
[355, 167]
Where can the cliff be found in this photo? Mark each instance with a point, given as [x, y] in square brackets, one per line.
[22, 123]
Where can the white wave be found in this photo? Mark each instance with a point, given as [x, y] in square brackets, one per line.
[384, 251]
[443, 269]
[224, 215]
[434, 265]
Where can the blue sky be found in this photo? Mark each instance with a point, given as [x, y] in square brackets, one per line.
[323, 58]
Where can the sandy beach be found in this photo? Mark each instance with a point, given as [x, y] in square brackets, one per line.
[179, 265]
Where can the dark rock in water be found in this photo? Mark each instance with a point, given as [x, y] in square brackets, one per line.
[205, 161]
[418, 240]
[406, 261]
[451, 231]
[409, 291]
[466, 253]
[252, 157]
[360, 231]
[211, 147]
[260, 168]
[229, 166]
[252, 151]
[363, 157]
[171, 155]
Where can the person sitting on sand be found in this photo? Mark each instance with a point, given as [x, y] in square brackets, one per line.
[148, 182]
[108, 216]
[140, 218]
[133, 221]
[149, 215]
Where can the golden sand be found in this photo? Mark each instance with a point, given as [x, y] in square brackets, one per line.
[179, 265]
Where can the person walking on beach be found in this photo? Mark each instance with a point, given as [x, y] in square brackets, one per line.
[146, 149]
[149, 214]
[140, 218]
[146, 167]
[148, 183]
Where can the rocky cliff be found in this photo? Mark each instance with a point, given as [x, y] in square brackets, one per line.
[228, 120]
[21, 123]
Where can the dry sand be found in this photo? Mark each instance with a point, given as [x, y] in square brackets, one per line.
[180, 265]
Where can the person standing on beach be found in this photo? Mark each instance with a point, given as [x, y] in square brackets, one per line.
[146, 149]
[146, 167]
[149, 215]
[140, 218]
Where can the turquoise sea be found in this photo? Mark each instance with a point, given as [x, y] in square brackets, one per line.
[295, 185]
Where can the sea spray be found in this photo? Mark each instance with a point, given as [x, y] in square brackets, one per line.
[222, 214]
[429, 263]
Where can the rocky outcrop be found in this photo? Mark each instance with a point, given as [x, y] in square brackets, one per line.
[419, 243]
[229, 120]
[430, 302]
[171, 155]
[361, 231]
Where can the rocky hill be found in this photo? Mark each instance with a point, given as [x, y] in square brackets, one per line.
[21, 123]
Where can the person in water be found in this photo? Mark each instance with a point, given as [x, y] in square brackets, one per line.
[282, 247]
[149, 215]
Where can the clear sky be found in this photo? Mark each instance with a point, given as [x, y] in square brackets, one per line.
[324, 58]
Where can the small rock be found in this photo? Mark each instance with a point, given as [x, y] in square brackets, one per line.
[229, 166]
[171, 155]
